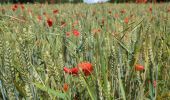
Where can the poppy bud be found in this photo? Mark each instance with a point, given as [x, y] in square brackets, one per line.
[126, 20]
[65, 87]
[139, 67]
[67, 34]
[150, 9]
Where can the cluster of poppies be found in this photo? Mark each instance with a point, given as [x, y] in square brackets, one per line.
[141, 1]
[16, 6]
[85, 67]
[49, 20]
[63, 24]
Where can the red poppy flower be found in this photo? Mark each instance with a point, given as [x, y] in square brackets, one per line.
[145, 1]
[22, 6]
[55, 11]
[76, 33]
[65, 87]
[49, 22]
[139, 67]
[15, 6]
[67, 70]
[86, 67]
[137, 1]
[150, 9]
[73, 71]
[126, 20]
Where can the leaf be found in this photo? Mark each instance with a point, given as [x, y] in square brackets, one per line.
[20, 89]
[121, 85]
[88, 89]
[50, 91]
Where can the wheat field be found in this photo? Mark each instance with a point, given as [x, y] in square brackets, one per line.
[85, 52]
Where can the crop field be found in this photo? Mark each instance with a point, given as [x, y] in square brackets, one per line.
[85, 52]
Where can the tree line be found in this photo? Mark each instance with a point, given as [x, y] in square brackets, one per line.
[73, 1]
